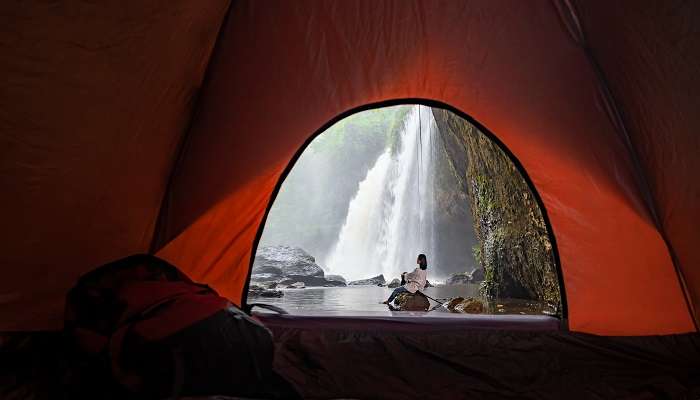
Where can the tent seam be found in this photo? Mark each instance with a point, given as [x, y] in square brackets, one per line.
[158, 238]
[572, 24]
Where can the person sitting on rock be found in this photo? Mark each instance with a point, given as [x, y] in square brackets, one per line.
[415, 280]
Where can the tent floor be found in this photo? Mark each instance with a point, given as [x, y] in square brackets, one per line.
[409, 321]
[493, 357]
[421, 356]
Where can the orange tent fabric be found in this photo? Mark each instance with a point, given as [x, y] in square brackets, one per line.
[596, 106]
[650, 56]
[95, 101]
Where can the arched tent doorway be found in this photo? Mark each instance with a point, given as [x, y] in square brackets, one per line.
[562, 313]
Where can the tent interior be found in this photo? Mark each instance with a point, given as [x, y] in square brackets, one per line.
[168, 127]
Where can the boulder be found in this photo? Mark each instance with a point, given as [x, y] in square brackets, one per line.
[461, 278]
[396, 282]
[259, 291]
[477, 275]
[271, 293]
[263, 284]
[377, 280]
[337, 278]
[267, 270]
[311, 281]
[467, 305]
[287, 265]
[285, 261]
[411, 302]
[265, 278]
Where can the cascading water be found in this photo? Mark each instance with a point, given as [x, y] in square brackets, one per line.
[390, 219]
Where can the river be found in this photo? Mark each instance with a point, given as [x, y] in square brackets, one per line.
[358, 300]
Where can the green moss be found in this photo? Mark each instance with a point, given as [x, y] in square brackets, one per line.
[514, 247]
[476, 250]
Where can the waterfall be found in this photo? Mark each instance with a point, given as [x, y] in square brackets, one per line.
[390, 220]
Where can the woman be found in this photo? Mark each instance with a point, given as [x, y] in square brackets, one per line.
[414, 281]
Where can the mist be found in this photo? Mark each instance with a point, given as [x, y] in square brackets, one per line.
[370, 193]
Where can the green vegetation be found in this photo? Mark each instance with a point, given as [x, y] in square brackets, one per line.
[369, 131]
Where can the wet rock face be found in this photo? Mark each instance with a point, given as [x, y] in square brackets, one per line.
[513, 244]
[375, 281]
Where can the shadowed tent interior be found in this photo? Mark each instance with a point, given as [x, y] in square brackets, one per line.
[166, 127]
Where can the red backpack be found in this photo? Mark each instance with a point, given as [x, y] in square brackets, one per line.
[162, 335]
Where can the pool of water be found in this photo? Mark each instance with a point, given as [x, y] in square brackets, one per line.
[354, 300]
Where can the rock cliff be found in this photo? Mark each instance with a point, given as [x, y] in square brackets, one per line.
[513, 245]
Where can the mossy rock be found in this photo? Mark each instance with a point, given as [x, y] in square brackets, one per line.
[411, 302]
[466, 306]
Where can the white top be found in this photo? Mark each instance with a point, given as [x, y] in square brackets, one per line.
[416, 280]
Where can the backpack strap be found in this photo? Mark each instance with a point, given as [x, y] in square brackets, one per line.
[278, 310]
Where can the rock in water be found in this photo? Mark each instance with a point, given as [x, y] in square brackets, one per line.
[453, 302]
[267, 269]
[336, 278]
[477, 275]
[287, 265]
[470, 306]
[259, 291]
[271, 293]
[411, 302]
[466, 306]
[266, 273]
[377, 280]
[461, 278]
[394, 283]
[311, 281]
[282, 261]
[296, 285]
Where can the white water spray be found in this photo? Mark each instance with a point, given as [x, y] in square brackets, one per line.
[390, 219]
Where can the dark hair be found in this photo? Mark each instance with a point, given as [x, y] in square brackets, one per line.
[424, 258]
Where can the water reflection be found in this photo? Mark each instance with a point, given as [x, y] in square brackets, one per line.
[356, 300]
